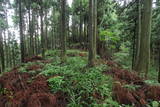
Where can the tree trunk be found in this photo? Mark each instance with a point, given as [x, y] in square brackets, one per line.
[95, 28]
[2, 52]
[63, 30]
[46, 31]
[92, 32]
[144, 56]
[42, 34]
[80, 25]
[138, 33]
[159, 66]
[21, 32]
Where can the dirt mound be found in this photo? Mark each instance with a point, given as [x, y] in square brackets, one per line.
[24, 90]
[33, 59]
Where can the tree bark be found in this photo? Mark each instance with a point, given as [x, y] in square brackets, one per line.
[144, 55]
[21, 32]
[63, 30]
[138, 33]
[2, 52]
[42, 33]
[92, 32]
[159, 64]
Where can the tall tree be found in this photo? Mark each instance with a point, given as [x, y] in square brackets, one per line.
[63, 30]
[42, 30]
[21, 31]
[159, 64]
[144, 54]
[92, 31]
[138, 34]
[2, 52]
[2, 59]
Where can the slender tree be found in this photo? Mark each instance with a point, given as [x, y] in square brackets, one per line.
[21, 31]
[159, 64]
[92, 31]
[42, 30]
[2, 52]
[63, 30]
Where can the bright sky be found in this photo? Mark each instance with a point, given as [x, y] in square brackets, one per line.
[70, 2]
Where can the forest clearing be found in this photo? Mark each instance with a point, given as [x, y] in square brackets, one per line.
[79, 53]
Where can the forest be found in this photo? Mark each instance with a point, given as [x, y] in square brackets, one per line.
[79, 53]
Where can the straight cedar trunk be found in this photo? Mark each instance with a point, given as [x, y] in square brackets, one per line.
[95, 28]
[2, 52]
[5, 49]
[21, 32]
[63, 30]
[37, 37]
[73, 29]
[92, 32]
[80, 25]
[144, 55]
[46, 31]
[30, 31]
[138, 34]
[133, 45]
[33, 32]
[42, 34]
[159, 67]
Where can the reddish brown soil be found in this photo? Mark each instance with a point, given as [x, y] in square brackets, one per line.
[140, 96]
[83, 54]
[33, 59]
[23, 90]
[46, 61]
[34, 67]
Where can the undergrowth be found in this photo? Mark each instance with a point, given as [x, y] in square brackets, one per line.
[84, 86]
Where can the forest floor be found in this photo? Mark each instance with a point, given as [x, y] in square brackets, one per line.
[49, 83]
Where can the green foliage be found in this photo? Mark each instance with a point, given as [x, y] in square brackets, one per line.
[122, 55]
[56, 83]
[152, 82]
[155, 104]
[84, 86]
[3, 90]
[152, 73]
[106, 35]
[52, 53]
[75, 52]
[23, 69]
[131, 87]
